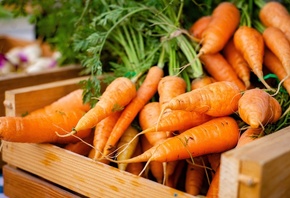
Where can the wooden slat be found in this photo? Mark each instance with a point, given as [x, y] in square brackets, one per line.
[81, 174]
[22, 184]
[260, 169]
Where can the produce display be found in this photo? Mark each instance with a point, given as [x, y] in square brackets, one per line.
[178, 93]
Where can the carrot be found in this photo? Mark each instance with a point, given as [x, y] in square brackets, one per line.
[275, 66]
[224, 22]
[276, 15]
[102, 132]
[250, 43]
[43, 128]
[199, 26]
[277, 42]
[213, 190]
[169, 169]
[220, 69]
[249, 135]
[129, 150]
[210, 99]
[201, 81]
[117, 95]
[214, 161]
[144, 94]
[237, 61]
[169, 87]
[173, 179]
[217, 135]
[194, 177]
[82, 147]
[257, 108]
[136, 168]
[73, 100]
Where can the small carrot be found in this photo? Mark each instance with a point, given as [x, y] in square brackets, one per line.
[126, 153]
[43, 128]
[210, 99]
[117, 95]
[237, 61]
[275, 66]
[145, 92]
[213, 190]
[82, 147]
[214, 161]
[274, 14]
[225, 20]
[201, 81]
[199, 26]
[174, 178]
[250, 43]
[217, 135]
[257, 108]
[102, 132]
[194, 176]
[136, 168]
[277, 42]
[249, 135]
[220, 69]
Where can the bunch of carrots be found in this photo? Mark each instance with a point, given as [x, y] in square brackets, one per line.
[207, 94]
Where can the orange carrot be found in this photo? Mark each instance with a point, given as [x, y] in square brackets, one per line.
[102, 132]
[126, 153]
[249, 135]
[42, 128]
[237, 61]
[224, 22]
[146, 91]
[117, 95]
[275, 14]
[136, 168]
[82, 147]
[201, 81]
[199, 26]
[275, 66]
[257, 108]
[169, 87]
[219, 68]
[277, 42]
[213, 190]
[250, 43]
[214, 161]
[210, 99]
[173, 179]
[217, 135]
[194, 177]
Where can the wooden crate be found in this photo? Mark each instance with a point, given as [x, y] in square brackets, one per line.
[260, 169]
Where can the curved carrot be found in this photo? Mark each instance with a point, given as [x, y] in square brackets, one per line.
[274, 14]
[250, 43]
[82, 147]
[42, 129]
[275, 66]
[136, 168]
[214, 160]
[224, 22]
[217, 135]
[173, 179]
[210, 99]
[249, 135]
[237, 61]
[117, 95]
[277, 42]
[201, 81]
[213, 190]
[145, 92]
[199, 26]
[219, 68]
[257, 108]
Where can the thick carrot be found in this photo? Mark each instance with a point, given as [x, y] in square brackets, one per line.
[220, 69]
[275, 66]
[249, 135]
[210, 99]
[126, 153]
[217, 135]
[82, 147]
[277, 42]
[237, 61]
[146, 91]
[224, 22]
[102, 132]
[194, 176]
[43, 128]
[199, 26]
[202, 81]
[117, 95]
[170, 87]
[274, 14]
[257, 108]
[250, 43]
